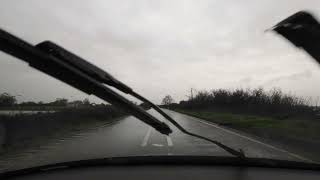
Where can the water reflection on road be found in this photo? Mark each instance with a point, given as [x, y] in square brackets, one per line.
[51, 147]
[17, 112]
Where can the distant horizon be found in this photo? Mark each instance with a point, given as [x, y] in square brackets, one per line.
[313, 101]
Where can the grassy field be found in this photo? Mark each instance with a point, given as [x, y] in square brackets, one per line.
[301, 135]
[295, 127]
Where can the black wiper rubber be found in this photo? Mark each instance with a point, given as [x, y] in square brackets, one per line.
[104, 77]
[71, 75]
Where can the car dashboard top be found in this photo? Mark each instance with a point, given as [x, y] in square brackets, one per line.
[172, 167]
[175, 172]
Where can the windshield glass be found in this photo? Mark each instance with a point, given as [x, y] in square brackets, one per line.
[210, 65]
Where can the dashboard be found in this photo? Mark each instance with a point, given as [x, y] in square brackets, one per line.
[174, 172]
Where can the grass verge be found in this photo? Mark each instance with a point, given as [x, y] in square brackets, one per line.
[299, 135]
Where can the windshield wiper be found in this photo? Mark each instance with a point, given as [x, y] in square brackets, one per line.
[303, 30]
[58, 62]
[104, 77]
[71, 75]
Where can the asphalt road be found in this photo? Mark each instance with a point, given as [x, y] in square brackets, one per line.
[130, 137]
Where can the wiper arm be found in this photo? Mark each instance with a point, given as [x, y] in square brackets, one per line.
[71, 75]
[104, 77]
[100, 77]
[91, 70]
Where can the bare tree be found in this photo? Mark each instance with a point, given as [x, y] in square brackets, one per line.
[167, 100]
[86, 102]
[7, 100]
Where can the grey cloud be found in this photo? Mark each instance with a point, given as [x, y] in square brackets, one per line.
[293, 77]
[160, 47]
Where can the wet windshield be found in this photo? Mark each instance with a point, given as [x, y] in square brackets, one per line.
[210, 65]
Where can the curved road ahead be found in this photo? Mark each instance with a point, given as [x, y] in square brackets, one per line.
[130, 137]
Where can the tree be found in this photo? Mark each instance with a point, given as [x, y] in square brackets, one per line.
[167, 100]
[60, 102]
[40, 103]
[86, 102]
[28, 103]
[75, 104]
[7, 100]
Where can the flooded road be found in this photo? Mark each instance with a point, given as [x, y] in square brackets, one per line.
[17, 112]
[130, 137]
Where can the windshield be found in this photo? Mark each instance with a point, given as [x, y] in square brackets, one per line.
[211, 66]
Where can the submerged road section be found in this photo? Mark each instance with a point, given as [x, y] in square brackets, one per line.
[130, 137]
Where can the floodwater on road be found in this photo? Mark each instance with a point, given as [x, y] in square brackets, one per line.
[15, 112]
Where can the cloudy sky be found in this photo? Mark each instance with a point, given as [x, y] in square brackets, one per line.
[162, 47]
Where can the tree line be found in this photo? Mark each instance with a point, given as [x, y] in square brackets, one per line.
[253, 101]
[8, 100]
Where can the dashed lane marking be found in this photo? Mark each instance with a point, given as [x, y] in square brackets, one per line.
[169, 141]
[146, 137]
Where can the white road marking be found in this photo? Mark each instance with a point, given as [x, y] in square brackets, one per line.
[206, 145]
[146, 137]
[253, 140]
[157, 145]
[169, 141]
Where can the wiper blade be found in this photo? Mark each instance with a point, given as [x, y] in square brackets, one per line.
[104, 77]
[71, 75]
[77, 72]
[303, 30]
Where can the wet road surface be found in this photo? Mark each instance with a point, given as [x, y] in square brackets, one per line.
[130, 137]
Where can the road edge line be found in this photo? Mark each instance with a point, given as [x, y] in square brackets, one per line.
[251, 139]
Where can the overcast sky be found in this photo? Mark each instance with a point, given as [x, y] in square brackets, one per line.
[162, 47]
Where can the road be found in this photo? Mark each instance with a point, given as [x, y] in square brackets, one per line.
[130, 137]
